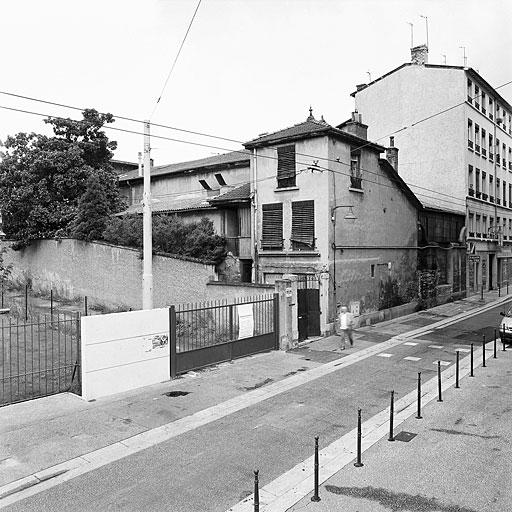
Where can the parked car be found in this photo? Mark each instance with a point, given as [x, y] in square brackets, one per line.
[506, 325]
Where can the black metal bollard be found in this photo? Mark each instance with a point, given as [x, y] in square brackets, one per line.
[256, 492]
[503, 338]
[471, 362]
[315, 496]
[418, 416]
[358, 464]
[499, 290]
[457, 371]
[391, 412]
[483, 351]
[26, 302]
[85, 305]
[440, 397]
[482, 292]
[494, 355]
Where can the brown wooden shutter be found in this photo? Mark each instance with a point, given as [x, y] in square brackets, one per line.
[286, 166]
[272, 228]
[303, 222]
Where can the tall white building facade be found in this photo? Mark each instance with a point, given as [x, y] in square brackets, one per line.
[454, 133]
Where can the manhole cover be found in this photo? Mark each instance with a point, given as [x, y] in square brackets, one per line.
[177, 393]
[405, 436]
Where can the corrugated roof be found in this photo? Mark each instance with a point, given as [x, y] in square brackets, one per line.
[234, 157]
[173, 205]
[241, 193]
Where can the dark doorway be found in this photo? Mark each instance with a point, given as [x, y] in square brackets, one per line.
[491, 266]
[308, 298]
[246, 271]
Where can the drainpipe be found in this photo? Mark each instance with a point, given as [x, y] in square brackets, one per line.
[254, 214]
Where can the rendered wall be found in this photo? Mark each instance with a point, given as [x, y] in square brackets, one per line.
[124, 351]
[108, 275]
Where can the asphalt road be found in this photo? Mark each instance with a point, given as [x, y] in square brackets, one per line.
[211, 467]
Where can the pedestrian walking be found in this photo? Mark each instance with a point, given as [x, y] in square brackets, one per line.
[345, 326]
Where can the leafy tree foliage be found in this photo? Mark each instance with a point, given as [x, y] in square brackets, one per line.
[170, 235]
[43, 178]
[92, 214]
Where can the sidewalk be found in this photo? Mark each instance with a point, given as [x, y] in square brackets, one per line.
[44, 433]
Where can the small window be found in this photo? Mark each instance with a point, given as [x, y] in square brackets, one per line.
[356, 177]
[220, 180]
[372, 270]
[205, 185]
[272, 226]
[286, 166]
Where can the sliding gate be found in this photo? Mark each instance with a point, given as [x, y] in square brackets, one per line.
[206, 334]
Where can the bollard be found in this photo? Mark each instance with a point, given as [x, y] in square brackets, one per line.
[418, 416]
[315, 496]
[503, 338]
[482, 292]
[391, 411]
[358, 464]
[51, 304]
[26, 302]
[457, 371]
[440, 398]
[494, 355]
[85, 305]
[256, 492]
[483, 351]
[471, 362]
[499, 290]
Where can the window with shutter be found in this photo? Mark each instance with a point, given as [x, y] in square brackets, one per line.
[272, 226]
[303, 225]
[286, 166]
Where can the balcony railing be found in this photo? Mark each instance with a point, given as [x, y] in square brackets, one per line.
[485, 196]
[470, 144]
[478, 235]
[471, 234]
[498, 200]
[491, 156]
[478, 194]
[504, 163]
[355, 182]
[484, 152]
[471, 191]
[483, 111]
[239, 246]
[470, 99]
[477, 148]
[498, 159]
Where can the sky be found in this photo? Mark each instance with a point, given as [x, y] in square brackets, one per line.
[246, 67]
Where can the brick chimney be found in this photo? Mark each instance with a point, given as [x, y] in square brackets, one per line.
[392, 154]
[355, 126]
[419, 54]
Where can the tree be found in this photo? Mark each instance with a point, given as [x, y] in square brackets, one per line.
[92, 214]
[43, 178]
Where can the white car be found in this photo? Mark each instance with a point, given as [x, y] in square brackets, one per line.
[506, 325]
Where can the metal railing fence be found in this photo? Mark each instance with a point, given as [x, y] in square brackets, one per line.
[40, 357]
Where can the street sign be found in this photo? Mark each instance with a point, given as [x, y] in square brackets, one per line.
[473, 257]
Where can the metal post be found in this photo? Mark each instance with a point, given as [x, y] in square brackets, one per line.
[499, 290]
[483, 351]
[51, 304]
[315, 496]
[358, 464]
[507, 286]
[256, 492]
[85, 305]
[147, 245]
[471, 362]
[418, 416]
[503, 338]
[391, 412]
[457, 371]
[172, 341]
[494, 355]
[2, 293]
[26, 302]
[440, 398]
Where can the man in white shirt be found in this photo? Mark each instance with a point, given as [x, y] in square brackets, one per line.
[345, 325]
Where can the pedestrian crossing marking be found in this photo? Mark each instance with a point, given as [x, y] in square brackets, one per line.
[384, 355]
[462, 350]
[410, 358]
[435, 346]
[410, 343]
[443, 363]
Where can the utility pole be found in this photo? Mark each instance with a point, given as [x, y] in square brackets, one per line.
[465, 59]
[147, 239]
[412, 34]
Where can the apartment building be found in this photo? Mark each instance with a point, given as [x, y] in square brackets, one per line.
[454, 131]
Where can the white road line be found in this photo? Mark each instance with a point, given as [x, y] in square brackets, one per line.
[384, 355]
[410, 343]
[462, 350]
[411, 358]
[443, 363]
[435, 346]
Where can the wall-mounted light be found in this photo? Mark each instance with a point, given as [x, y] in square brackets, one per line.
[349, 216]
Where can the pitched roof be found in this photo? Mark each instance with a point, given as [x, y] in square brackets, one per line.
[308, 129]
[170, 205]
[400, 183]
[226, 159]
[236, 195]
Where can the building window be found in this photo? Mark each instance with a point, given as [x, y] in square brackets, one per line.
[477, 96]
[272, 226]
[490, 108]
[483, 103]
[470, 134]
[491, 148]
[303, 226]
[356, 177]
[470, 91]
[477, 138]
[504, 154]
[471, 181]
[484, 142]
[477, 184]
[286, 166]
[372, 270]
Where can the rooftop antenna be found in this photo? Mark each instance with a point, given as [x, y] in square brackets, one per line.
[465, 59]
[426, 25]
[412, 31]
[369, 76]
[443, 55]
